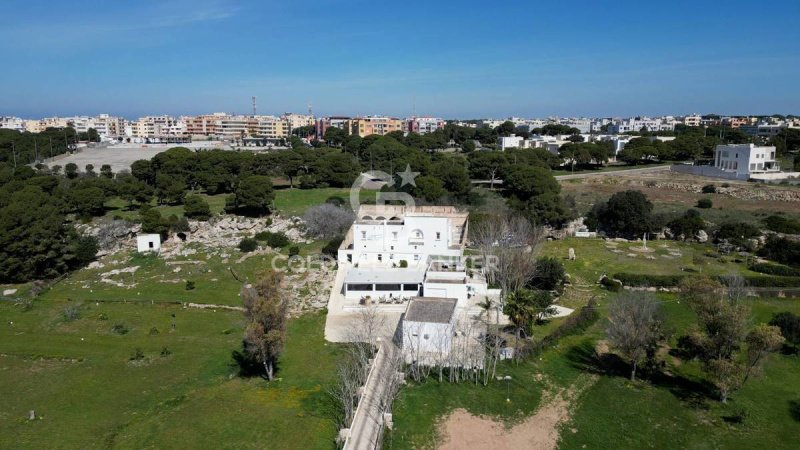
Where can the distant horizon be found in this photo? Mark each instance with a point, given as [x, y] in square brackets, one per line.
[508, 116]
[445, 59]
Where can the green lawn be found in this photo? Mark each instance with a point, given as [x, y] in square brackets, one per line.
[86, 392]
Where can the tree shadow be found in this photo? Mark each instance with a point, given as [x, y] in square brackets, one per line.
[794, 409]
[249, 367]
[694, 393]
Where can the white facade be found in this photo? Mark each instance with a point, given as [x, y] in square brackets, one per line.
[148, 243]
[12, 123]
[398, 253]
[745, 159]
[637, 123]
[424, 125]
[512, 142]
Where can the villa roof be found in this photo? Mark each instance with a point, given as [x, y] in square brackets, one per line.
[431, 309]
[377, 275]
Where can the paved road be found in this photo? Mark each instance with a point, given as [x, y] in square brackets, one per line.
[589, 174]
[366, 432]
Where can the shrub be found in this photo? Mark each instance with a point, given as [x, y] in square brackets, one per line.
[549, 275]
[247, 245]
[332, 248]
[294, 251]
[102, 316]
[709, 189]
[782, 250]
[153, 331]
[780, 224]
[704, 203]
[274, 240]
[737, 233]
[165, 351]
[738, 416]
[189, 285]
[138, 354]
[403, 263]
[196, 207]
[687, 225]
[647, 280]
[72, 312]
[120, 328]
[611, 284]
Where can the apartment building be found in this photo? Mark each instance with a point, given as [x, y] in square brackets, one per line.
[232, 127]
[204, 125]
[271, 127]
[379, 125]
[295, 121]
[155, 127]
[424, 125]
[322, 125]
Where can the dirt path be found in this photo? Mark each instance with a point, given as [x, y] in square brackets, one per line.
[539, 431]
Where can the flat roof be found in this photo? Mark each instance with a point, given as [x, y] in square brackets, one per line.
[377, 275]
[430, 309]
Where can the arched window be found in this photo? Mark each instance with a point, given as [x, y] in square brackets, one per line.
[366, 218]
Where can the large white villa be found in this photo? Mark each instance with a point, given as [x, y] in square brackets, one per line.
[394, 253]
[408, 263]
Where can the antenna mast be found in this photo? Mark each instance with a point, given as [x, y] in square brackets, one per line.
[254, 106]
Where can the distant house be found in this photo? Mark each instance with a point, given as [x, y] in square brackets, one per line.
[745, 159]
[148, 243]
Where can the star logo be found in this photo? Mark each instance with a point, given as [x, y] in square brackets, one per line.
[407, 176]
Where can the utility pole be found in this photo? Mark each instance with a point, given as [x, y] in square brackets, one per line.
[254, 106]
[51, 145]
[14, 152]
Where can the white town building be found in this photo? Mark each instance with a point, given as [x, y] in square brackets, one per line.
[146, 243]
[745, 159]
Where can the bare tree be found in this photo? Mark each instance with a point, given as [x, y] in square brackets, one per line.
[266, 313]
[635, 326]
[328, 221]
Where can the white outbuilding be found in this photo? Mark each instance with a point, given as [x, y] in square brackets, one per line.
[148, 243]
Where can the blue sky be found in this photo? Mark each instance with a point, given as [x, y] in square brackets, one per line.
[456, 59]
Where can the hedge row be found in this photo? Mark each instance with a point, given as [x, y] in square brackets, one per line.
[574, 324]
[775, 269]
[641, 279]
[659, 281]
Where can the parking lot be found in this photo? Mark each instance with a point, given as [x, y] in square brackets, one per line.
[120, 157]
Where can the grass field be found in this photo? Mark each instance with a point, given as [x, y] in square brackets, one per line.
[87, 393]
[288, 202]
[725, 207]
[595, 257]
[674, 410]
